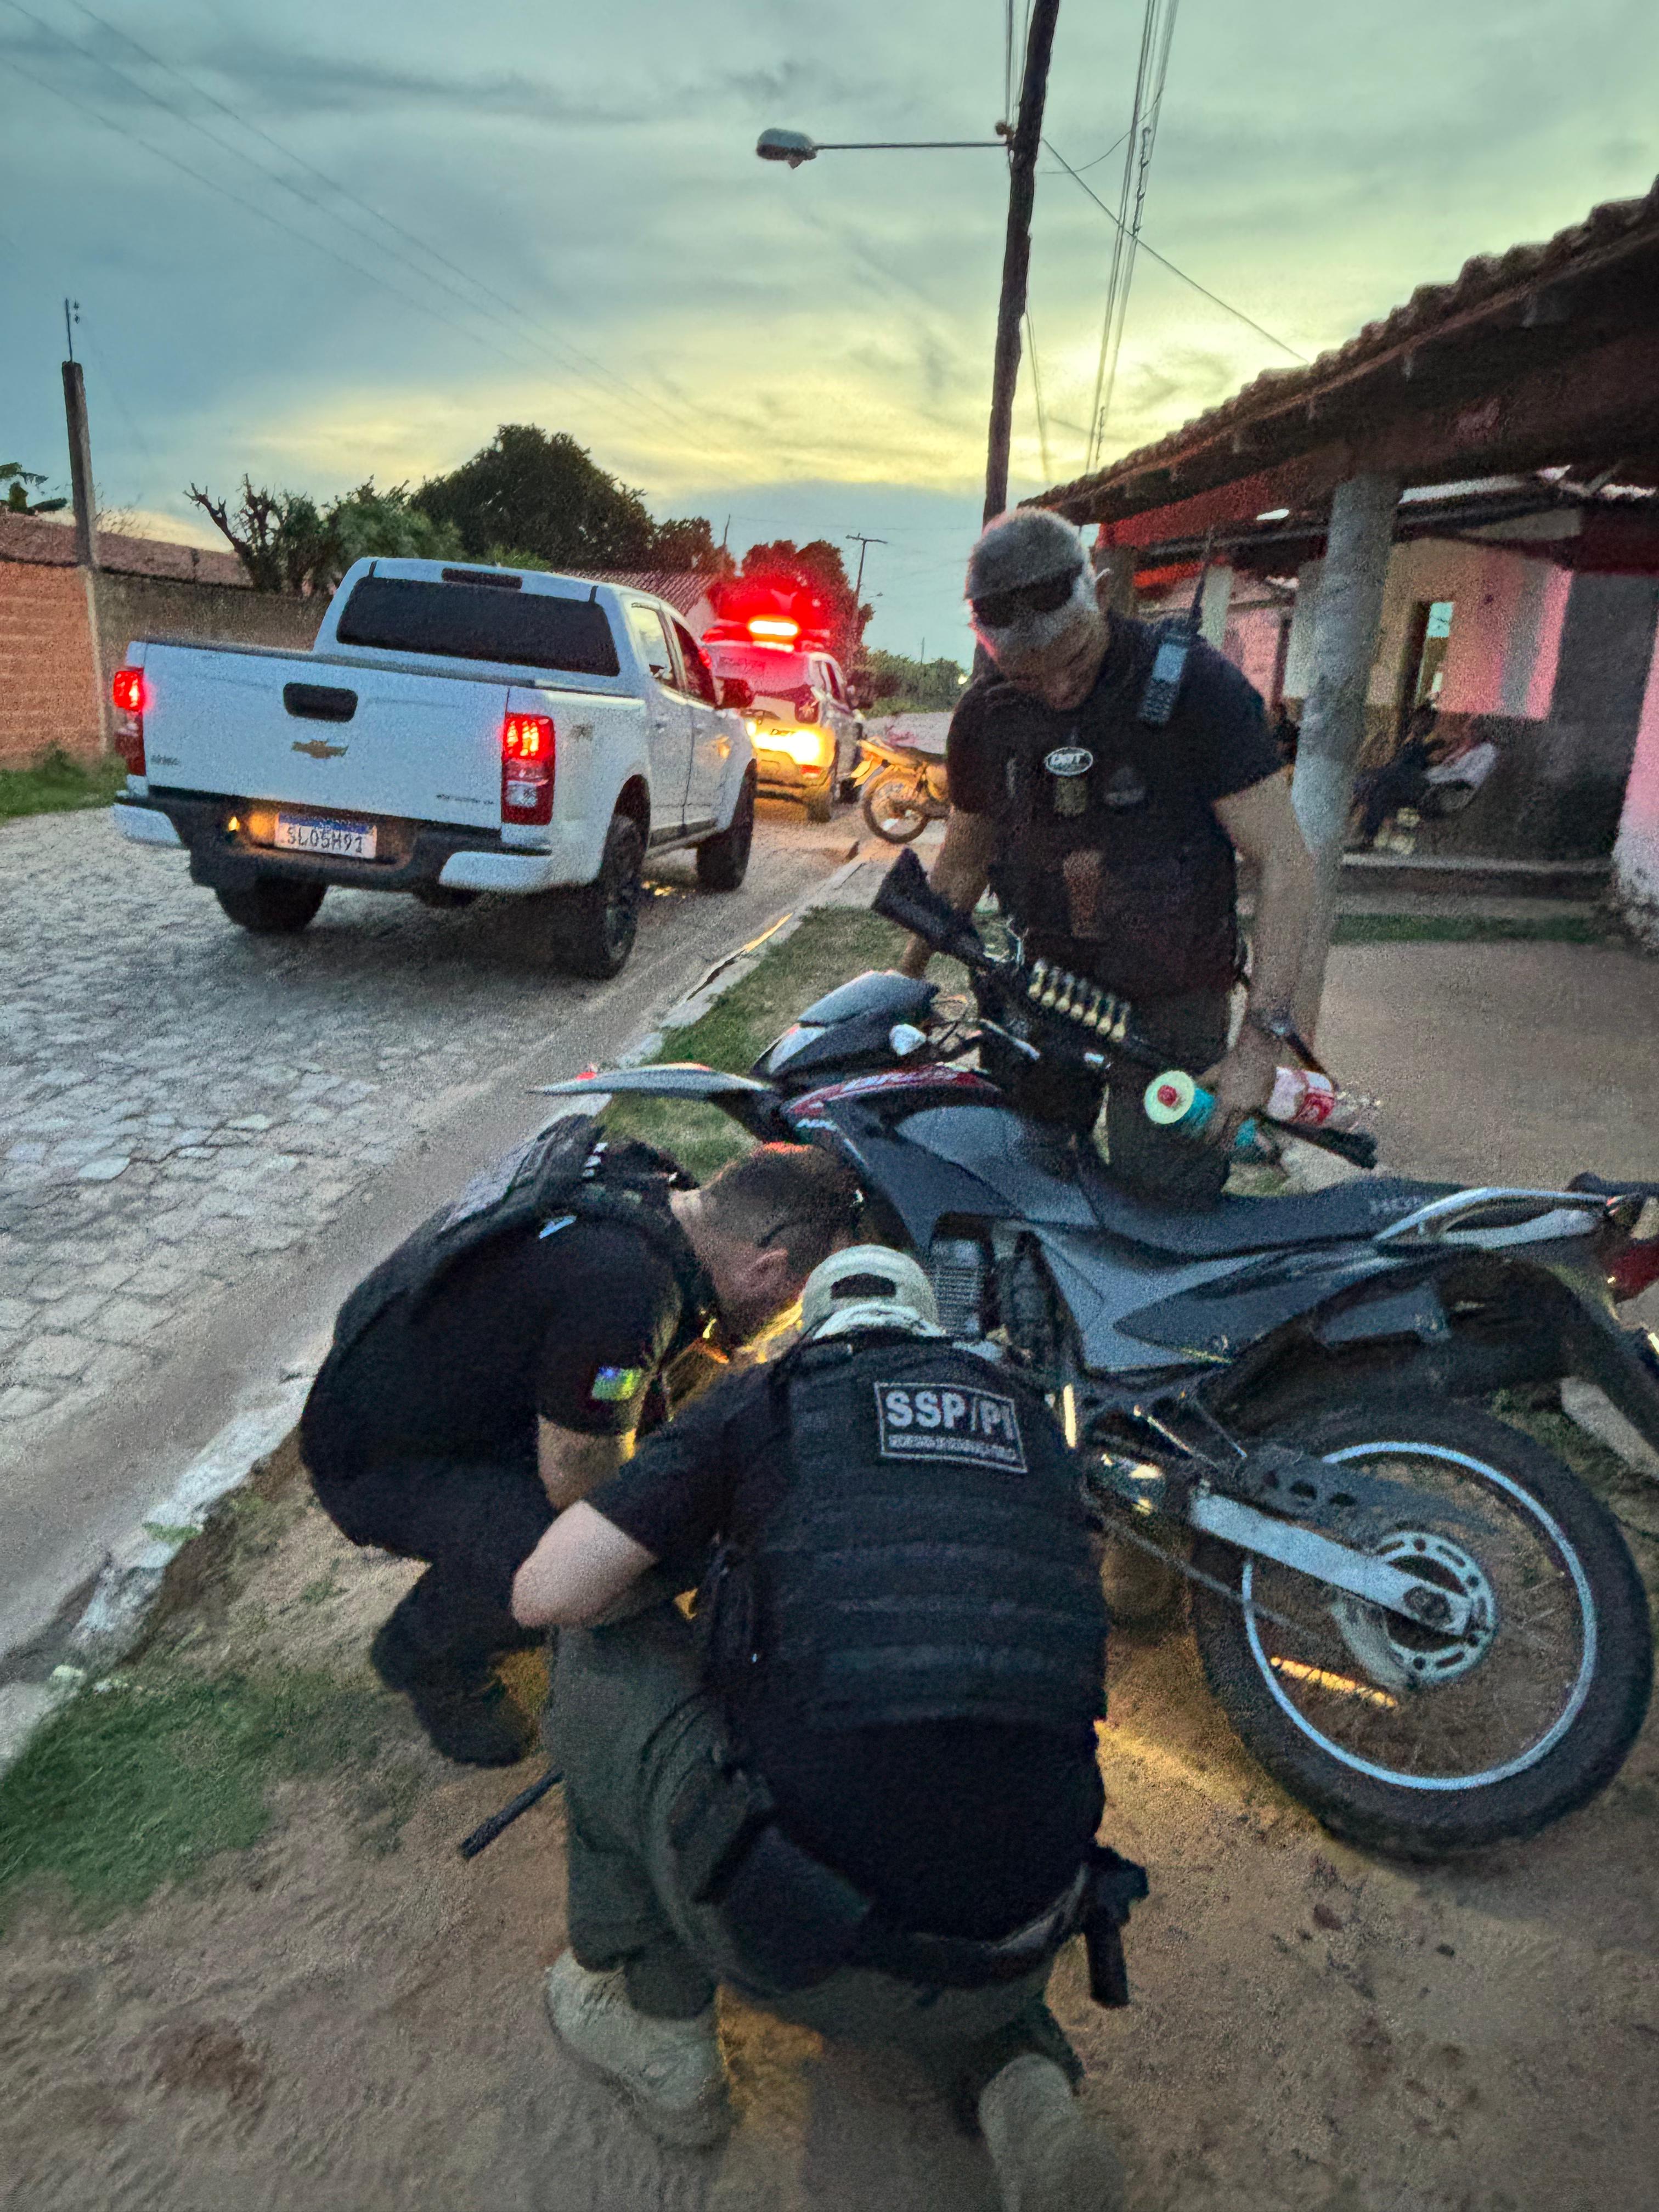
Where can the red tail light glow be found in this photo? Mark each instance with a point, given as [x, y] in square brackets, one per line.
[127, 692]
[1633, 1268]
[527, 759]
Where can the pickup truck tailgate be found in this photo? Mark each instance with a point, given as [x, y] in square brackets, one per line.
[253, 724]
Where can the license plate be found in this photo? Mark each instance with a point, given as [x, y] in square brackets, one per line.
[321, 834]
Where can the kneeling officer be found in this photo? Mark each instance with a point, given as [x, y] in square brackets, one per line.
[499, 1361]
[862, 1787]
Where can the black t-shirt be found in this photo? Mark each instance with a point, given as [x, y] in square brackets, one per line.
[955, 1827]
[1157, 919]
[574, 1323]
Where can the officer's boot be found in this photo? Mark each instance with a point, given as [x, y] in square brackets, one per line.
[456, 1696]
[671, 2069]
[1047, 2158]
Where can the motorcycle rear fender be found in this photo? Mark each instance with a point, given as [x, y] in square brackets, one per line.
[753, 1106]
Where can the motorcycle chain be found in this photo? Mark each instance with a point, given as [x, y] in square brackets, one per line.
[1115, 1529]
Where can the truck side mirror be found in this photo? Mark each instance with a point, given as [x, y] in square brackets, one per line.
[736, 692]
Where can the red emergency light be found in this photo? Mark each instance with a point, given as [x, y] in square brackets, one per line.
[773, 630]
[528, 749]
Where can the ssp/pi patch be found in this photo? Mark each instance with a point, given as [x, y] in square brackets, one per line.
[920, 1420]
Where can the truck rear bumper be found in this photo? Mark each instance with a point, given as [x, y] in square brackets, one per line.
[143, 825]
[417, 854]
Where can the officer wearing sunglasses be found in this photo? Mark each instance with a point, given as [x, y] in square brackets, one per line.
[1107, 819]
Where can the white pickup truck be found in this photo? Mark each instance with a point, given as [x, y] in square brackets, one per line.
[454, 730]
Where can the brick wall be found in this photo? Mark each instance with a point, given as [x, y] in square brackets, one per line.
[48, 694]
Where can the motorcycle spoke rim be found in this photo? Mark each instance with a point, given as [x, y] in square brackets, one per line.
[1496, 1717]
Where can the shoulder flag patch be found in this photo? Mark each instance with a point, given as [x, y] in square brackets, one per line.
[611, 1385]
[924, 1421]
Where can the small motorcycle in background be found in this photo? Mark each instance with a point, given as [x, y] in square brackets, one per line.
[904, 788]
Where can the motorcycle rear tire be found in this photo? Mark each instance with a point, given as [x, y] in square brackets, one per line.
[907, 822]
[1417, 1819]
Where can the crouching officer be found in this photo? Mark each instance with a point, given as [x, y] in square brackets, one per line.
[499, 1361]
[861, 1787]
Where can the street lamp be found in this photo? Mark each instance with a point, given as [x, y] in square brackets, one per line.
[795, 147]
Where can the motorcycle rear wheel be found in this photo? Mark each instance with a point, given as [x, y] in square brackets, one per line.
[1405, 1740]
[894, 809]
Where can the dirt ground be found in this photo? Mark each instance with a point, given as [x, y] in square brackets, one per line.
[346, 2016]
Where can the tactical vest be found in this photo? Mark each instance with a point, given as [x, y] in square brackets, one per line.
[929, 1557]
[566, 1168]
[1152, 911]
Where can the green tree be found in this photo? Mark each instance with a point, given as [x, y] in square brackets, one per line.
[369, 522]
[283, 539]
[816, 566]
[895, 681]
[17, 479]
[687, 542]
[546, 496]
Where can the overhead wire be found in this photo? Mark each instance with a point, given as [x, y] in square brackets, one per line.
[244, 122]
[1164, 262]
[1036, 395]
[1157, 36]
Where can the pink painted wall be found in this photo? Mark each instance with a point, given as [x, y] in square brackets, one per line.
[1635, 853]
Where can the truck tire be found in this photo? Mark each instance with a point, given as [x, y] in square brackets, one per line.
[596, 926]
[821, 803]
[272, 905]
[723, 861]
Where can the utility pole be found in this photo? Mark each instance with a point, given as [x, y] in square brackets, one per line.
[86, 510]
[854, 537]
[1017, 249]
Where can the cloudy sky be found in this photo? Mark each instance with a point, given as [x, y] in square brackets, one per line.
[317, 242]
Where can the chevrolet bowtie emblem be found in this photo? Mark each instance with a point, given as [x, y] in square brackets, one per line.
[318, 748]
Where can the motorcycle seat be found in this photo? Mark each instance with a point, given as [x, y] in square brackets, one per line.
[1346, 1211]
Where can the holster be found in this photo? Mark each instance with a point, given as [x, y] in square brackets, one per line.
[1113, 1883]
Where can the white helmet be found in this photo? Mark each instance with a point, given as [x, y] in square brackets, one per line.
[868, 1286]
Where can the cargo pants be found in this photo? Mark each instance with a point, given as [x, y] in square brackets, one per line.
[630, 1723]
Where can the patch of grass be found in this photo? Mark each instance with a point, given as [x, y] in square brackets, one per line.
[1474, 929]
[143, 1783]
[832, 944]
[57, 784]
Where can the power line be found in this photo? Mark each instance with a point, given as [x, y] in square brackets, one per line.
[1157, 36]
[1164, 260]
[572, 353]
[1036, 394]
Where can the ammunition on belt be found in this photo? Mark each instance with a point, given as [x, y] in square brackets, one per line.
[1051, 989]
[1063, 1003]
[1034, 988]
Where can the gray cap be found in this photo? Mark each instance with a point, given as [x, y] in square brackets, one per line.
[1022, 547]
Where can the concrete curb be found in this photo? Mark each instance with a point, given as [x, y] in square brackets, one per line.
[129, 1582]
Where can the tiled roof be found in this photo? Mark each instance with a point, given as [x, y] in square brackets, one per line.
[52, 544]
[1607, 232]
[684, 589]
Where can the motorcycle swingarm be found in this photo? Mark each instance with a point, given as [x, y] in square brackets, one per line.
[1145, 1489]
[1307, 1552]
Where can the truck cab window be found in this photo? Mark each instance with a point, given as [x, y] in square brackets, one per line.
[652, 639]
[699, 676]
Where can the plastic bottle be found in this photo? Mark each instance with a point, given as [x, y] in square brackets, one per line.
[1300, 1098]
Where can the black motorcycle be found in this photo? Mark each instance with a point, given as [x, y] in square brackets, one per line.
[1416, 1618]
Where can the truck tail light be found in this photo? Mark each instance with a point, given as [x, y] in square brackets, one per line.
[527, 753]
[127, 690]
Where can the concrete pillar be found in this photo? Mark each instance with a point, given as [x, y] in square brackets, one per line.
[1635, 853]
[1212, 607]
[1346, 618]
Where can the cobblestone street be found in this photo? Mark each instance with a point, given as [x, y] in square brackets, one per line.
[180, 1101]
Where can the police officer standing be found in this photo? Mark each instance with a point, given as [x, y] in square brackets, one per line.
[501, 1361]
[862, 1787]
[1102, 790]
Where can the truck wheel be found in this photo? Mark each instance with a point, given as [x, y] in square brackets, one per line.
[723, 861]
[820, 802]
[272, 906]
[597, 925]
